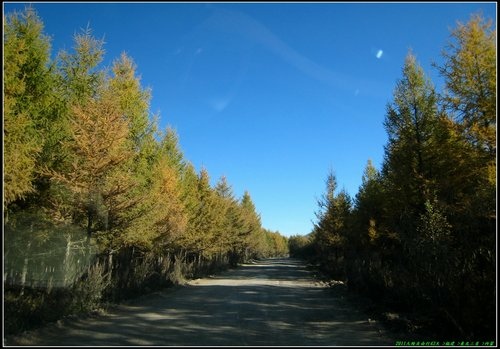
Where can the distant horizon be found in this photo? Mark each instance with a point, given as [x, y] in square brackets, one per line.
[270, 95]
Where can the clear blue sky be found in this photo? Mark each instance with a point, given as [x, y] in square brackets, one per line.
[271, 95]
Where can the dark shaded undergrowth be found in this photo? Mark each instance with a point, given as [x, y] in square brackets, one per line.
[408, 319]
[27, 308]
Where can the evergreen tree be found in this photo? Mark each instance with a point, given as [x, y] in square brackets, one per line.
[331, 230]
[190, 200]
[469, 71]
[407, 169]
[169, 146]
[99, 146]
[80, 77]
[168, 213]
[28, 84]
[203, 220]
[147, 163]
[470, 75]
[299, 246]
[133, 99]
[369, 203]
[251, 233]
[323, 229]
[227, 230]
[233, 231]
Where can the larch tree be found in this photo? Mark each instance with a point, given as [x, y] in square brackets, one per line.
[77, 80]
[189, 197]
[79, 71]
[469, 71]
[232, 229]
[99, 145]
[407, 169]
[146, 165]
[168, 212]
[27, 92]
[226, 230]
[330, 231]
[165, 205]
[133, 99]
[368, 207]
[470, 75]
[250, 235]
[203, 220]
[169, 145]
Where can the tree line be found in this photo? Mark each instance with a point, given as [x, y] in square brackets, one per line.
[88, 172]
[421, 231]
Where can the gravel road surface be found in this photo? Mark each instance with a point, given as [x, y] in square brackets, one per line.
[273, 302]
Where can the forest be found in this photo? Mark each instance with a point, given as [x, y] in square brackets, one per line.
[420, 234]
[99, 203]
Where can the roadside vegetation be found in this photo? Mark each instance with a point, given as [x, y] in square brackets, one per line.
[420, 235]
[99, 203]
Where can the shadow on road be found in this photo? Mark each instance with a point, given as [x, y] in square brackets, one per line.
[270, 303]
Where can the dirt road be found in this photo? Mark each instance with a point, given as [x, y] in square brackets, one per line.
[269, 303]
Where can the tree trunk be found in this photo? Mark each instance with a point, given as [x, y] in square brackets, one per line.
[110, 266]
[25, 267]
[66, 267]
